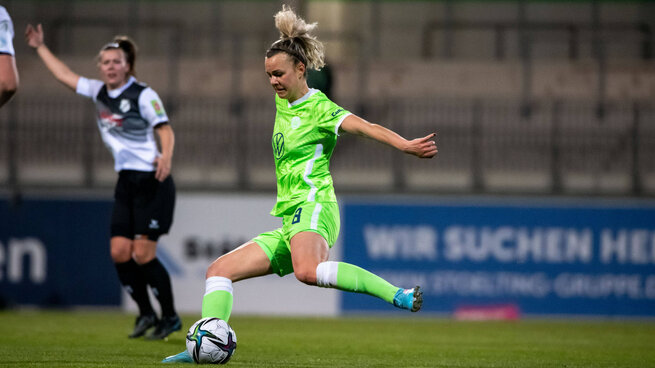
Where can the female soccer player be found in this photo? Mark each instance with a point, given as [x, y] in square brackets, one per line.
[305, 133]
[128, 112]
[8, 71]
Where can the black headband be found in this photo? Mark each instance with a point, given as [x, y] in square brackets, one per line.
[290, 52]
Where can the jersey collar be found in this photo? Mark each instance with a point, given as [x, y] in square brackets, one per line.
[303, 98]
[113, 93]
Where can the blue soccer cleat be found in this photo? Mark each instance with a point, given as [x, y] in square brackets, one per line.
[411, 299]
[182, 357]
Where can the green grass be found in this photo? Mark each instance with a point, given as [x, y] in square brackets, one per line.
[99, 339]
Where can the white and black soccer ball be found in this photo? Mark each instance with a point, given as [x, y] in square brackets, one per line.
[211, 341]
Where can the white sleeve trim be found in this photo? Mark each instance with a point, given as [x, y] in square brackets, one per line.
[336, 128]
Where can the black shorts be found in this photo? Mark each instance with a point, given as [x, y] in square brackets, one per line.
[142, 205]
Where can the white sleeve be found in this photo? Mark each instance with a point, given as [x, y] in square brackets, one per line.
[6, 33]
[88, 87]
[151, 107]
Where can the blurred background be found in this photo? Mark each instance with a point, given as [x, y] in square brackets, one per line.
[544, 110]
[527, 97]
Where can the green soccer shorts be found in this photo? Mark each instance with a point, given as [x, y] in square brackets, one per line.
[321, 218]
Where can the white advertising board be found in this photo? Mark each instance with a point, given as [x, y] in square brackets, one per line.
[208, 225]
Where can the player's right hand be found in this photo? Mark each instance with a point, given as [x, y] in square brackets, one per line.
[425, 147]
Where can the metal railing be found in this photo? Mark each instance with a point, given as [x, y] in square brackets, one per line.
[526, 145]
[571, 36]
[486, 146]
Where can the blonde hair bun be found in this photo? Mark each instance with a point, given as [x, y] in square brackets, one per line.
[296, 39]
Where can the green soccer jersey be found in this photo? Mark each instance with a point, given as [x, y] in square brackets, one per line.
[304, 137]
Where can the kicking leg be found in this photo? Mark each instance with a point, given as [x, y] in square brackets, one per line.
[309, 252]
[348, 277]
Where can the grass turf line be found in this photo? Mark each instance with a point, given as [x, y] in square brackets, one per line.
[99, 339]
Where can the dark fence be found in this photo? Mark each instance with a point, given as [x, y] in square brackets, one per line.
[486, 146]
[528, 144]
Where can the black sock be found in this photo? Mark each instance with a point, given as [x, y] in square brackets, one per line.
[160, 283]
[134, 282]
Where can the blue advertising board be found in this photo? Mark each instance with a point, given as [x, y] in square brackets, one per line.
[563, 258]
[56, 253]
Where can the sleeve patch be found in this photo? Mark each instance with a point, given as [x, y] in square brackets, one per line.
[335, 113]
[159, 110]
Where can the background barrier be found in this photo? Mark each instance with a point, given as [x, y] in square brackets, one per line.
[544, 257]
[555, 257]
[55, 252]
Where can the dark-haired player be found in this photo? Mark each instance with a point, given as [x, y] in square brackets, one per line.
[128, 115]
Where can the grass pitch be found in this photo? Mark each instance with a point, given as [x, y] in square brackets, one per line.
[99, 339]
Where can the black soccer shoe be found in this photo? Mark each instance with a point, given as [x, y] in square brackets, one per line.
[165, 327]
[142, 324]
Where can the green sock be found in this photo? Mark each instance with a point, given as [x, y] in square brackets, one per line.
[358, 280]
[217, 304]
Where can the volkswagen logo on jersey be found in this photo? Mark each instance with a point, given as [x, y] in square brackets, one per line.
[278, 145]
[124, 105]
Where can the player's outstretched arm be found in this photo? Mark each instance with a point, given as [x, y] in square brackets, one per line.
[424, 147]
[34, 38]
[8, 78]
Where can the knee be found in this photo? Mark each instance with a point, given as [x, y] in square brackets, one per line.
[142, 257]
[120, 251]
[306, 275]
[144, 251]
[217, 268]
[120, 255]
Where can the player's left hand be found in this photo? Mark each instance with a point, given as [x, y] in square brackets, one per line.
[425, 147]
[34, 35]
[163, 165]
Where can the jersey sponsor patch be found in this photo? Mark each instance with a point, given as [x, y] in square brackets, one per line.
[159, 110]
[109, 121]
[334, 114]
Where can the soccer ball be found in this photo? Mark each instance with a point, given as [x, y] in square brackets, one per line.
[211, 340]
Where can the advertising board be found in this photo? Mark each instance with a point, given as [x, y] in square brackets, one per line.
[546, 258]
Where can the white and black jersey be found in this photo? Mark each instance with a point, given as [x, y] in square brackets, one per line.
[126, 118]
[6, 32]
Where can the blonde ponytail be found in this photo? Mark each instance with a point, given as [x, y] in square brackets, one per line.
[296, 40]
